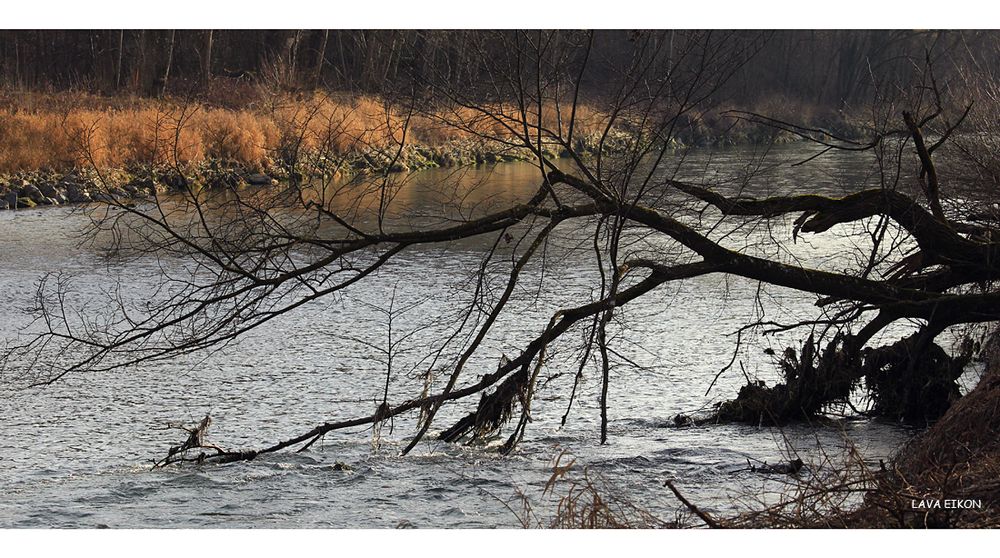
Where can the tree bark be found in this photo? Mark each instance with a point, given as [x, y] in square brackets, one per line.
[320, 59]
[206, 58]
[118, 62]
[170, 62]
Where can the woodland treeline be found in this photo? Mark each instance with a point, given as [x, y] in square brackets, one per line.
[828, 68]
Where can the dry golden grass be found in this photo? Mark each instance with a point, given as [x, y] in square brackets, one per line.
[503, 121]
[584, 501]
[71, 130]
[235, 135]
[107, 139]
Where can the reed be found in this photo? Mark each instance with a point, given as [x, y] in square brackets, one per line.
[61, 132]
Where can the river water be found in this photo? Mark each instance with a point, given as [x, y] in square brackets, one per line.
[78, 453]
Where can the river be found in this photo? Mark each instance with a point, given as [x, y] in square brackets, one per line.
[79, 453]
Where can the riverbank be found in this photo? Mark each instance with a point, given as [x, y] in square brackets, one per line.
[75, 148]
[947, 476]
[28, 189]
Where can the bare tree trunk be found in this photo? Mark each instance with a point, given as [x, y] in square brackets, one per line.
[389, 62]
[293, 55]
[206, 59]
[346, 76]
[17, 62]
[670, 64]
[118, 62]
[320, 59]
[170, 62]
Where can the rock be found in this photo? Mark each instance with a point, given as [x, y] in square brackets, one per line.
[26, 203]
[683, 420]
[76, 194]
[260, 180]
[48, 189]
[3, 205]
[11, 198]
[32, 193]
[174, 180]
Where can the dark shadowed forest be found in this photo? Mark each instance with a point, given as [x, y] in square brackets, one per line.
[823, 68]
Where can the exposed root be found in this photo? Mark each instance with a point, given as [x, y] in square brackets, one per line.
[913, 380]
[811, 383]
[913, 384]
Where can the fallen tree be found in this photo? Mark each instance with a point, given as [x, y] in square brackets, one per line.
[260, 254]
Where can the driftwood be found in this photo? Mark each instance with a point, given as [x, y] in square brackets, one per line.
[703, 515]
[197, 440]
[790, 468]
[913, 380]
